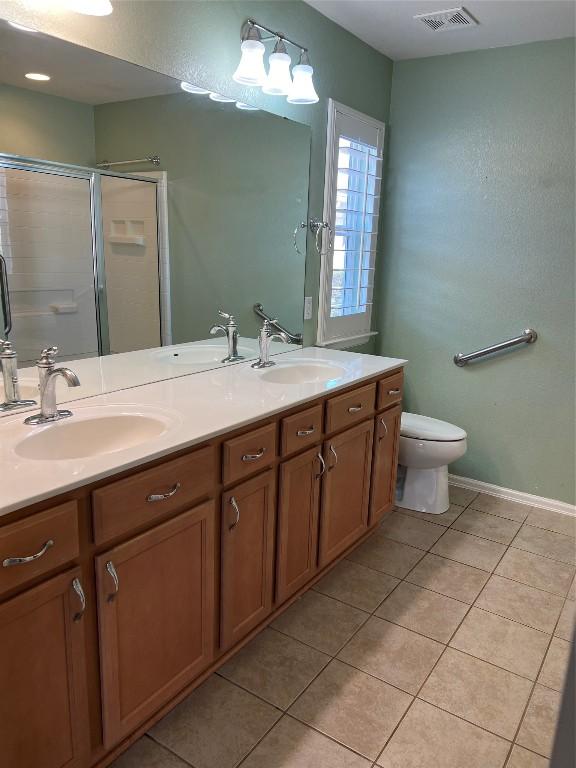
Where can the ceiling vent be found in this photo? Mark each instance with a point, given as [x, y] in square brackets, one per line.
[442, 21]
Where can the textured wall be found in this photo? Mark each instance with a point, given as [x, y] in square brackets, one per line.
[479, 245]
[198, 40]
[37, 125]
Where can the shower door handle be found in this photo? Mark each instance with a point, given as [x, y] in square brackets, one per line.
[5, 297]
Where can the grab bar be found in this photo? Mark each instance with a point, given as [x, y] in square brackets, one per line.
[295, 338]
[5, 297]
[528, 336]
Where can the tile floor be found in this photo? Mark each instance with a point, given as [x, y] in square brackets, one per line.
[440, 641]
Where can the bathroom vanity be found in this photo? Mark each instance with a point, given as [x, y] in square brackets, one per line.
[143, 569]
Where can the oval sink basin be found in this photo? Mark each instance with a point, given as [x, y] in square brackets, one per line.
[81, 437]
[302, 373]
[199, 354]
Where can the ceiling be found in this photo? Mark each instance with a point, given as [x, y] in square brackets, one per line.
[388, 25]
[76, 73]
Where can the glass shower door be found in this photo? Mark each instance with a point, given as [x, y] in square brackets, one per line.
[46, 241]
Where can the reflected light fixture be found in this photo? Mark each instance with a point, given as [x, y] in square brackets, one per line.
[189, 88]
[91, 7]
[278, 82]
[218, 97]
[302, 90]
[250, 70]
[246, 107]
[37, 76]
[21, 27]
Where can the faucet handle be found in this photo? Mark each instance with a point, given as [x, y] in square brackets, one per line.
[47, 356]
[226, 316]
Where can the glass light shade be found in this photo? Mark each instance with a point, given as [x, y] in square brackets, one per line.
[218, 97]
[250, 70]
[189, 88]
[302, 91]
[91, 7]
[279, 81]
[246, 107]
[37, 76]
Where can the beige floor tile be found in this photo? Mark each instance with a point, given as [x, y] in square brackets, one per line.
[566, 622]
[520, 602]
[408, 530]
[479, 692]
[572, 590]
[522, 758]
[430, 737]
[539, 724]
[502, 642]
[487, 526]
[291, 744]
[536, 571]
[145, 753]
[546, 543]
[552, 521]
[446, 518]
[470, 550]
[275, 667]
[320, 621]
[448, 577]
[352, 707]
[392, 653]
[502, 507]
[218, 724]
[461, 496]
[357, 585]
[555, 667]
[429, 613]
[386, 555]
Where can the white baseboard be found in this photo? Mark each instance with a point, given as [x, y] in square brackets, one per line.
[507, 493]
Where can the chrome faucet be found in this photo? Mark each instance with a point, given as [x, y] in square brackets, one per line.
[267, 334]
[48, 375]
[230, 330]
[9, 364]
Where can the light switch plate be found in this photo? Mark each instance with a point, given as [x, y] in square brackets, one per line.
[307, 307]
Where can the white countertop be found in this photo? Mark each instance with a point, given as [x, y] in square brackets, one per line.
[196, 408]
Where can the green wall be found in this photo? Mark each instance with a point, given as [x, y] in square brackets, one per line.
[35, 124]
[199, 41]
[479, 244]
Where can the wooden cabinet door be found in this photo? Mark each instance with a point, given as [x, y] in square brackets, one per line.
[156, 617]
[42, 676]
[298, 508]
[386, 446]
[346, 490]
[248, 523]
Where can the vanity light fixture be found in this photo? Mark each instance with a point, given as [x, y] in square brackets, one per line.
[299, 88]
[91, 7]
[189, 88]
[37, 76]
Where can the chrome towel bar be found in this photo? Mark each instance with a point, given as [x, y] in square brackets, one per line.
[528, 336]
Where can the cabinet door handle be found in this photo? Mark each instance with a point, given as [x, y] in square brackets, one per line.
[333, 452]
[322, 465]
[10, 561]
[393, 391]
[163, 496]
[354, 408]
[77, 587]
[114, 576]
[305, 432]
[236, 508]
[254, 456]
[385, 429]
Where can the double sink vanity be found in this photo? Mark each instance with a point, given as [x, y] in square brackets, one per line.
[147, 537]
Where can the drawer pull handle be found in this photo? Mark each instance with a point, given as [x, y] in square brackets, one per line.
[393, 391]
[354, 408]
[10, 561]
[385, 429]
[333, 452]
[114, 576]
[305, 432]
[254, 456]
[236, 508]
[322, 465]
[163, 496]
[77, 587]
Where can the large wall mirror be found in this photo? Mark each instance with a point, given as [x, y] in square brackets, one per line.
[132, 210]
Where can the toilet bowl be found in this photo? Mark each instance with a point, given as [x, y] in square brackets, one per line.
[427, 446]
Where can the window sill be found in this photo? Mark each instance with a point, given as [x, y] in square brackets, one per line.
[346, 342]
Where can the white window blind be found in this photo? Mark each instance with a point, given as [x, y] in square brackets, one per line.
[353, 180]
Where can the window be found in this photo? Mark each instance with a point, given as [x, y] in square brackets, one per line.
[351, 206]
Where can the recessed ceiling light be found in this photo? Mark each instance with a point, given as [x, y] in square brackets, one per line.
[21, 27]
[189, 88]
[37, 76]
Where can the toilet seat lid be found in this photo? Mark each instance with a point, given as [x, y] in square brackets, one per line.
[426, 428]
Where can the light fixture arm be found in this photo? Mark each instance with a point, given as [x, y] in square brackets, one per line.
[272, 35]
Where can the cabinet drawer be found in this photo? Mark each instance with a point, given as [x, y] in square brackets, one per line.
[350, 408]
[127, 504]
[38, 544]
[390, 390]
[301, 429]
[248, 453]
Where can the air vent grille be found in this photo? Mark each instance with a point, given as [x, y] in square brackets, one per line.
[442, 21]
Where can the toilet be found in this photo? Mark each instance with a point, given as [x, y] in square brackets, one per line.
[427, 446]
